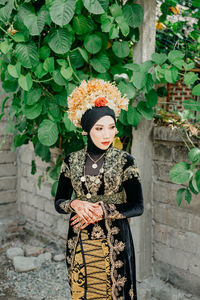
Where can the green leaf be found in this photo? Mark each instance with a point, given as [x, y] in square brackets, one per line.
[10, 86]
[60, 40]
[194, 155]
[139, 79]
[54, 112]
[32, 112]
[152, 98]
[100, 63]
[196, 90]
[193, 186]
[62, 11]
[171, 75]
[96, 7]
[123, 25]
[133, 116]
[27, 54]
[25, 82]
[48, 64]
[178, 63]
[106, 22]
[146, 112]
[54, 188]
[93, 43]
[68, 123]
[33, 96]
[57, 77]
[179, 195]
[34, 23]
[61, 99]
[114, 32]
[48, 133]
[42, 151]
[20, 140]
[191, 105]
[5, 12]
[159, 58]
[44, 52]
[76, 58]
[175, 55]
[133, 67]
[197, 178]
[123, 117]
[190, 78]
[180, 172]
[116, 10]
[145, 66]
[66, 73]
[121, 49]
[188, 196]
[189, 66]
[80, 24]
[20, 37]
[83, 53]
[39, 71]
[6, 46]
[195, 3]
[14, 70]
[133, 14]
[127, 89]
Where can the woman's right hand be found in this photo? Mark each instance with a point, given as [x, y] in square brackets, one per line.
[85, 210]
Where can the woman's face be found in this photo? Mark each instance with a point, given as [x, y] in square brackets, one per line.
[103, 132]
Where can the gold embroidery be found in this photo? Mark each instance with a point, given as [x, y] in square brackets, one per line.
[65, 169]
[130, 172]
[97, 232]
[65, 205]
[112, 212]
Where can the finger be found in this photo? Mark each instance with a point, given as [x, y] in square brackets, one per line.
[74, 217]
[85, 225]
[80, 224]
[75, 221]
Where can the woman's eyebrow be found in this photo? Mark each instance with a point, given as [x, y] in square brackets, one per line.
[104, 125]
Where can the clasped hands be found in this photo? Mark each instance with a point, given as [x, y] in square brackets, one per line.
[86, 213]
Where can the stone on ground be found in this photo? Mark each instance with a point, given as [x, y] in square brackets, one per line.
[42, 258]
[15, 251]
[33, 250]
[59, 257]
[25, 264]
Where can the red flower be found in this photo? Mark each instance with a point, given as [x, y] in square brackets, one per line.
[100, 101]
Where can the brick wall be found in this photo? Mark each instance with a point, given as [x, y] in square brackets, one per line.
[176, 240]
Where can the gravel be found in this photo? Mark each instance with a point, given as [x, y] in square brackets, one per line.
[48, 282]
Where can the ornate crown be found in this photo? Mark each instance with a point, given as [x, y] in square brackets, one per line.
[95, 92]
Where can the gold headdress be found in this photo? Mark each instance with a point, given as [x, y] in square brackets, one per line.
[95, 92]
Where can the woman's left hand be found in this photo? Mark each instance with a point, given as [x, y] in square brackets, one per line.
[78, 222]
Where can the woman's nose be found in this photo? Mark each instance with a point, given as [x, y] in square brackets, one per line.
[106, 133]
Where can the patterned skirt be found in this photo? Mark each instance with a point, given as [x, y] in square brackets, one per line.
[91, 272]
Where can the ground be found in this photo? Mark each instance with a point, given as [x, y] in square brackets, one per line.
[46, 283]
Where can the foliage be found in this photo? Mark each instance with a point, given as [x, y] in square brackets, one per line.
[47, 48]
[178, 27]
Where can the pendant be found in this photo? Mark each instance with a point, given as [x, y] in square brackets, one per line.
[88, 196]
[83, 178]
[101, 170]
[94, 166]
[92, 178]
[97, 181]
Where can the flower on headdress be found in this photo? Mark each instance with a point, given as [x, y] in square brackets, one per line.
[100, 101]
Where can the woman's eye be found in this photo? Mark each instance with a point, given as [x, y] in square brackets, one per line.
[112, 127]
[98, 128]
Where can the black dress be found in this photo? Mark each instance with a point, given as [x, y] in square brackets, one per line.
[120, 192]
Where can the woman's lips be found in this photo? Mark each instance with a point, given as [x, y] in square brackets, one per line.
[106, 143]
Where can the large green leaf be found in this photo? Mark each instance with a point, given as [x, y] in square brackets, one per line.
[49, 64]
[48, 133]
[80, 24]
[123, 25]
[196, 3]
[33, 96]
[54, 112]
[33, 111]
[180, 173]
[152, 98]
[96, 7]
[6, 46]
[27, 54]
[133, 67]
[14, 70]
[61, 99]
[44, 52]
[57, 77]
[146, 111]
[5, 12]
[191, 105]
[179, 195]
[121, 49]
[159, 58]
[62, 11]
[25, 82]
[60, 40]
[76, 57]
[171, 74]
[100, 63]
[133, 14]
[127, 89]
[133, 116]
[42, 151]
[196, 90]
[139, 79]
[66, 73]
[68, 123]
[39, 71]
[190, 78]
[116, 10]
[34, 22]
[175, 55]
[194, 155]
[93, 43]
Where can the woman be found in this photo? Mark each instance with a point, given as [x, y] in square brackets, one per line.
[100, 252]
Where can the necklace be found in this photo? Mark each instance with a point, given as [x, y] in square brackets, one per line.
[94, 184]
[94, 165]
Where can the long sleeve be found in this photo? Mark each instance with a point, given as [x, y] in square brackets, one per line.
[134, 205]
[64, 190]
